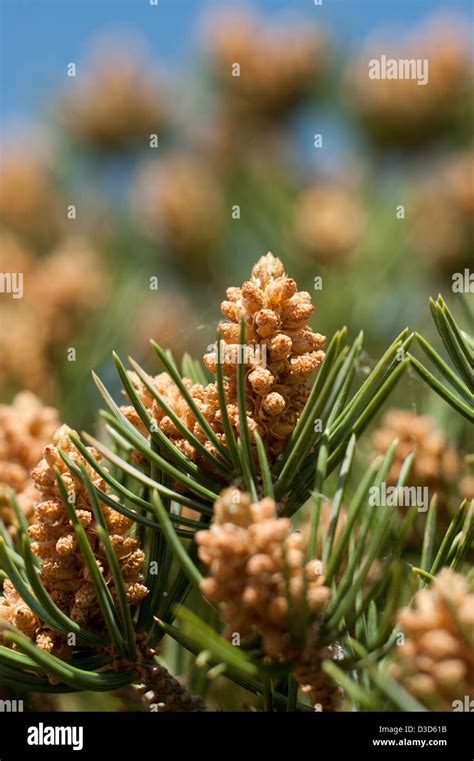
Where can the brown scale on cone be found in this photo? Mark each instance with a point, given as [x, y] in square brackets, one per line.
[436, 661]
[281, 353]
[64, 573]
[258, 571]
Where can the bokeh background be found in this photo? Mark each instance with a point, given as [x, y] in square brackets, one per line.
[160, 226]
[135, 192]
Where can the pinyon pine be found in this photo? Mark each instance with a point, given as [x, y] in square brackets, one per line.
[220, 528]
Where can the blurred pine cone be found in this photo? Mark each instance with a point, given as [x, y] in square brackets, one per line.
[117, 103]
[279, 65]
[400, 111]
[435, 464]
[329, 223]
[58, 290]
[443, 215]
[436, 661]
[29, 204]
[179, 201]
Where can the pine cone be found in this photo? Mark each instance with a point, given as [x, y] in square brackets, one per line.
[256, 563]
[180, 199]
[443, 213]
[435, 465]
[281, 352]
[398, 111]
[29, 205]
[436, 661]
[26, 426]
[329, 222]
[279, 65]
[55, 296]
[117, 103]
[64, 573]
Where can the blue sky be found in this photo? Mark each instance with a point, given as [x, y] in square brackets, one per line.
[39, 37]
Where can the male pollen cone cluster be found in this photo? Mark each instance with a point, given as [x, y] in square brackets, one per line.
[258, 570]
[29, 205]
[280, 354]
[329, 222]
[278, 65]
[435, 465]
[399, 110]
[443, 219]
[56, 295]
[64, 573]
[179, 199]
[118, 103]
[281, 350]
[436, 661]
[26, 426]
